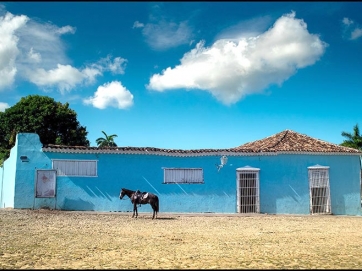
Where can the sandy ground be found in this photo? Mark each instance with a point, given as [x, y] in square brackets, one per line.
[43, 239]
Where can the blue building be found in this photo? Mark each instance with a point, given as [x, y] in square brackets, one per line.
[286, 173]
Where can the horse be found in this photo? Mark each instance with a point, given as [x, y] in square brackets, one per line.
[138, 197]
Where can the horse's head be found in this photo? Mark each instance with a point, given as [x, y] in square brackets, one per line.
[121, 195]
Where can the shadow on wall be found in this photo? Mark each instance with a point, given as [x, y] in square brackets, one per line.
[94, 191]
[76, 205]
[270, 196]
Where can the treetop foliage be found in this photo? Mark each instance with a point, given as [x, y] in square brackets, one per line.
[106, 141]
[353, 140]
[54, 122]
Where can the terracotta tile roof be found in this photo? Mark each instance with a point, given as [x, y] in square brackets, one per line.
[290, 141]
[286, 141]
[150, 150]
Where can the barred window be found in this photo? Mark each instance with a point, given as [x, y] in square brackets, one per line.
[183, 175]
[76, 168]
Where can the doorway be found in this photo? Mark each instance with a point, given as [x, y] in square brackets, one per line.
[248, 190]
[319, 190]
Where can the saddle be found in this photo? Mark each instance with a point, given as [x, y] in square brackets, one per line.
[139, 196]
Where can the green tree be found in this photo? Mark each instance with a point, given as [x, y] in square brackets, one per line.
[353, 140]
[107, 141]
[54, 122]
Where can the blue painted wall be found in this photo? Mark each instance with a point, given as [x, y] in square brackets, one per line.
[284, 186]
[8, 173]
[18, 177]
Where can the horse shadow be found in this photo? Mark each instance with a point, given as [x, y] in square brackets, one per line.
[158, 218]
[166, 218]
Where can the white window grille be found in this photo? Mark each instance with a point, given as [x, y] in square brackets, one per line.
[76, 168]
[183, 175]
[248, 193]
[319, 190]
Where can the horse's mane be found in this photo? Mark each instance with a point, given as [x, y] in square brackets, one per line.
[128, 190]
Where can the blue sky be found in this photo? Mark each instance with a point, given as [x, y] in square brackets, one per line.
[188, 75]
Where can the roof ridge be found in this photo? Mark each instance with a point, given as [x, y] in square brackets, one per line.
[280, 140]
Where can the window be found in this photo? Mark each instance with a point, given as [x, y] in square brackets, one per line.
[183, 175]
[319, 190]
[45, 183]
[77, 168]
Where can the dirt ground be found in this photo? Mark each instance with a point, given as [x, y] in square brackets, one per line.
[46, 239]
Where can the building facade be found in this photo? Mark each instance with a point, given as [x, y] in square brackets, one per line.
[286, 173]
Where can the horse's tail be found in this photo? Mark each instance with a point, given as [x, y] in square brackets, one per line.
[157, 205]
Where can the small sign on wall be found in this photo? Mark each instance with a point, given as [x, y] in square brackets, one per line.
[45, 183]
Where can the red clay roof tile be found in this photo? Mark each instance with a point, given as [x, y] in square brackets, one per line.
[285, 141]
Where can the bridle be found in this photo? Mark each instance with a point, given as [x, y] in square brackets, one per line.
[121, 196]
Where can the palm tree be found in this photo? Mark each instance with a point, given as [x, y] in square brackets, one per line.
[353, 140]
[107, 141]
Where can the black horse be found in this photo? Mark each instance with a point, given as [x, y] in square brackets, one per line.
[138, 197]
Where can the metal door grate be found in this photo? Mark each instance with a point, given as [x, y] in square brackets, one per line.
[320, 201]
[248, 190]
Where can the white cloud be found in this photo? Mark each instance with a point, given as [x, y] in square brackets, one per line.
[347, 21]
[246, 29]
[111, 94]
[3, 106]
[89, 74]
[27, 48]
[65, 77]
[117, 66]
[33, 56]
[162, 33]
[9, 24]
[351, 29]
[66, 29]
[231, 69]
[165, 35]
[137, 24]
[356, 33]
[43, 39]
[33, 51]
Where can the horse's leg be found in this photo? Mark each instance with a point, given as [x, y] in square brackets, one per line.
[154, 210]
[134, 210]
[135, 207]
[155, 207]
